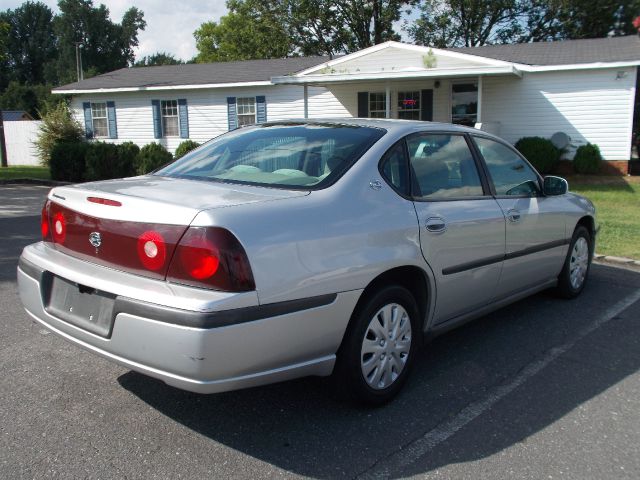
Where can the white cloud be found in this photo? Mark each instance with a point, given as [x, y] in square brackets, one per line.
[170, 25]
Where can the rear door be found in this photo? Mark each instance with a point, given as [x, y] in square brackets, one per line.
[462, 227]
[536, 240]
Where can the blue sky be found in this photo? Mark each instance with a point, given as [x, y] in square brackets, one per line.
[170, 24]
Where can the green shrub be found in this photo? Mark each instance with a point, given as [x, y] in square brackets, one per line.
[58, 125]
[588, 159]
[151, 157]
[128, 153]
[542, 154]
[104, 162]
[185, 147]
[67, 161]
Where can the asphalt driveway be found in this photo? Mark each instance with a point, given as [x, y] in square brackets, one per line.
[544, 388]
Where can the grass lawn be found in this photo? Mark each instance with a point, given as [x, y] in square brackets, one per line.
[8, 173]
[617, 200]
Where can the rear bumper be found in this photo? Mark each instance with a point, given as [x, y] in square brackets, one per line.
[200, 351]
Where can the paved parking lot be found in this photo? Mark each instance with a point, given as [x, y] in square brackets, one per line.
[544, 388]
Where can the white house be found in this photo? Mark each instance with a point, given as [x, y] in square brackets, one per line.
[583, 88]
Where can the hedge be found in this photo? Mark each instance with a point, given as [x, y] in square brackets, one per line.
[541, 152]
[587, 159]
[66, 161]
[152, 157]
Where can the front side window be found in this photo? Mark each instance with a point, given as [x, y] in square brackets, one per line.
[464, 104]
[284, 155]
[511, 175]
[99, 119]
[246, 111]
[377, 105]
[443, 167]
[409, 105]
[170, 122]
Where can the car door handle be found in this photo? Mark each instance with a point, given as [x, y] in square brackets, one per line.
[436, 224]
[513, 215]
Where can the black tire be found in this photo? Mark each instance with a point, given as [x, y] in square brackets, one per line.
[566, 288]
[348, 374]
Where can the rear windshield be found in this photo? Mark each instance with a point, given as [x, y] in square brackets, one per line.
[306, 156]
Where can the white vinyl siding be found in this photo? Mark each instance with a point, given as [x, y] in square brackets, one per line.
[397, 59]
[588, 105]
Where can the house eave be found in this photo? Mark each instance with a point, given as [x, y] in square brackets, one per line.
[404, 75]
[154, 88]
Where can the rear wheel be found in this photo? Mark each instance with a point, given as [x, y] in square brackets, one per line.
[379, 346]
[574, 274]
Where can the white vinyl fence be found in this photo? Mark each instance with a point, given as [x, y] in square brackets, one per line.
[19, 137]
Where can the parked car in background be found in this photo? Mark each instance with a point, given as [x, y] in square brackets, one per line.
[303, 248]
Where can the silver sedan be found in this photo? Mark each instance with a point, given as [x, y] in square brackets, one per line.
[303, 248]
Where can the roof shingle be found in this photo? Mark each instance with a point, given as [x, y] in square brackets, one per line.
[565, 52]
[196, 74]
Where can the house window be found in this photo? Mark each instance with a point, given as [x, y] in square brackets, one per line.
[464, 104]
[409, 105]
[246, 111]
[99, 120]
[170, 122]
[377, 105]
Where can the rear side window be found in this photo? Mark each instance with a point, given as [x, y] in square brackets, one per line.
[443, 167]
[394, 168]
[305, 156]
[511, 175]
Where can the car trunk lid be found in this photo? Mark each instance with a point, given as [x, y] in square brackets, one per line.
[135, 224]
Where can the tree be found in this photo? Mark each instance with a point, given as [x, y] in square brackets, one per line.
[106, 46]
[58, 125]
[280, 28]
[30, 45]
[4, 38]
[588, 19]
[455, 23]
[158, 58]
[465, 23]
[30, 98]
[252, 29]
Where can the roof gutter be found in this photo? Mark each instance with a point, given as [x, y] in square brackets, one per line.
[577, 66]
[153, 88]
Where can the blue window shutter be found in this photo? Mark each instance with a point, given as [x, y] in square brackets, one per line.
[88, 124]
[183, 113]
[363, 104]
[157, 125]
[426, 107]
[261, 109]
[111, 119]
[232, 113]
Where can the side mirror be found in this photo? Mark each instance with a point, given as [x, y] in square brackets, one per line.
[555, 186]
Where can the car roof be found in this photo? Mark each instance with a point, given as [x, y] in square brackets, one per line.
[395, 125]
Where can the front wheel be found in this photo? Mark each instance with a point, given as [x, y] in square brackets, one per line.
[574, 274]
[379, 346]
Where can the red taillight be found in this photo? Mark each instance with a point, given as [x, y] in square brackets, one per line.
[152, 250]
[211, 258]
[59, 225]
[44, 222]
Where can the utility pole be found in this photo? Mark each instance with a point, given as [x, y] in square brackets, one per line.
[3, 146]
[79, 73]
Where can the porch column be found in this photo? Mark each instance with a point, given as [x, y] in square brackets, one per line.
[479, 115]
[306, 101]
[388, 101]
